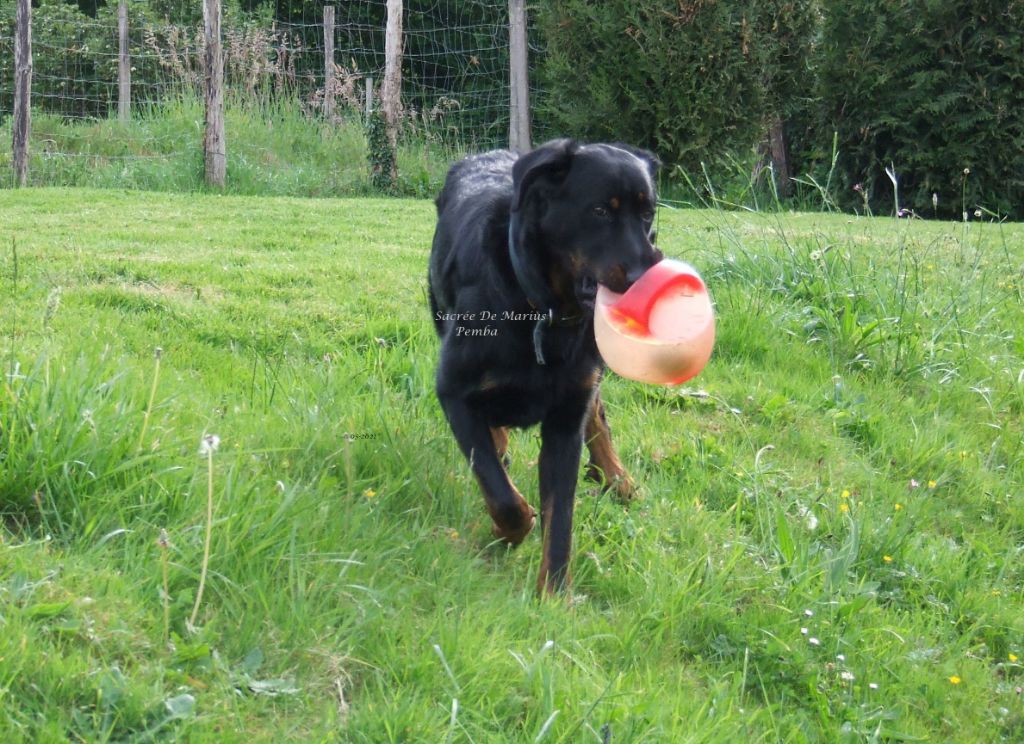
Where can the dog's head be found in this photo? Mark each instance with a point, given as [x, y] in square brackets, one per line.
[585, 214]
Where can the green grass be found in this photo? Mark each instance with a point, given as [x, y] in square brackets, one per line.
[782, 578]
[273, 149]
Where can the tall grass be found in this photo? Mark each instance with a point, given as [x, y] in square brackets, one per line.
[275, 148]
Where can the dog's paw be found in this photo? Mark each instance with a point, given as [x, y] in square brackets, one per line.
[620, 483]
[514, 531]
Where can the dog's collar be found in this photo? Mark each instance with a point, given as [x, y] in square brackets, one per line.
[537, 293]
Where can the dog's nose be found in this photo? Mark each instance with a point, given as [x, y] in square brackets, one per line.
[635, 272]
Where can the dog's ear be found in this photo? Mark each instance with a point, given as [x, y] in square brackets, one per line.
[649, 159]
[548, 164]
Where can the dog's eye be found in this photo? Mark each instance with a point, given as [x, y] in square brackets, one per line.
[601, 211]
[648, 216]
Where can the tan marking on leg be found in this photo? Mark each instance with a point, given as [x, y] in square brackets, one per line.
[605, 467]
[500, 436]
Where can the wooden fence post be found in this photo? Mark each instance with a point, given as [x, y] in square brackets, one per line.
[213, 140]
[519, 136]
[22, 124]
[124, 68]
[369, 96]
[391, 89]
[329, 84]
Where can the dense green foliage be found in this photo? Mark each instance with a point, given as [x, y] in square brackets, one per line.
[696, 81]
[827, 546]
[678, 78]
[930, 88]
[933, 88]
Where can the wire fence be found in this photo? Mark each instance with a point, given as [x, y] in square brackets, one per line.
[455, 74]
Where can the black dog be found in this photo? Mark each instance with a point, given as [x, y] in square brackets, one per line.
[520, 247]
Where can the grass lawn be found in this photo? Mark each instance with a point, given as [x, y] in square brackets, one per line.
[828, 547]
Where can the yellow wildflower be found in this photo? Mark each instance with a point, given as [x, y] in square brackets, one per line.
[369, 493]
[887, 558]
[954, 680]
[844, 507]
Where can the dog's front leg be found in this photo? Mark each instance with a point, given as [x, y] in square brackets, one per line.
[513, 517]
[561, 445]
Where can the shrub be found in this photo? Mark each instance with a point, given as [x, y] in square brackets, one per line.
[696, 80]
[933, 88]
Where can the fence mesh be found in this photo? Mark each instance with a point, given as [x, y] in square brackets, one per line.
[455, 88]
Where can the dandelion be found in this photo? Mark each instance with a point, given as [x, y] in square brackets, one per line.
[955, 680]
[898, 506]
[844, 508]
[1012, 657]
[845, 494]
[964, 454]
[932, 484]
[207, 446]
[887, 558]
[369, 493]
[453, 534]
